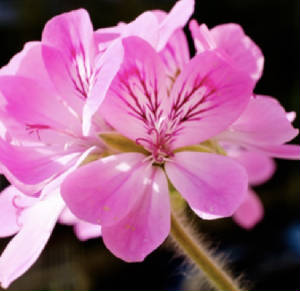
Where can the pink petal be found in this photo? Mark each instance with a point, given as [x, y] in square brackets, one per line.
[145, 26]
[213, 185]
[67, 81]
[208, 96]
[146, 226]
[175, 54]
[33, 169]
[231, 39]
[25, 248]
[250, 212]
[30, 134]
[34, 105]
[203, 39]
[71, 162]
[9, 213]
[27, 168]
[139, 87]
[109, 63]
[70, 56]
[263, 123]
[67, 217]
[246, 54]
[85, 231]
[3, 128]
[285, 151]
[259, 166]
[104, 191]
[176, 18]
[69, 52]
[70, 31]
[104, 36]
[291, 116]
[155, 27]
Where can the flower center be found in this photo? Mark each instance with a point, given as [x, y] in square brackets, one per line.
[159, 140]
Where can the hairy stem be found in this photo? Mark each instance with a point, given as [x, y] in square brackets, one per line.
[217, 277]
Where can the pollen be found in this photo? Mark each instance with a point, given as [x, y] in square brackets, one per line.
[106, 208]
[130, 227]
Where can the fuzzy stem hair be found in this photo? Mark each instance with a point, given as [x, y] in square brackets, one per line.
[214, 271]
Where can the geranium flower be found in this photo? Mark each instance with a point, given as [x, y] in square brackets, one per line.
[127, 194]
[263, 128]
[259, 135]
[69, 54]
[50, 93]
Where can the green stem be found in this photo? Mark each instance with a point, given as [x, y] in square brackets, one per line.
[216, 276]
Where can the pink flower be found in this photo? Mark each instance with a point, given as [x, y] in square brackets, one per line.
[259, 134]
[49, 95]
[264, 126]
[127, 194]
[262, 130]
[46, 133]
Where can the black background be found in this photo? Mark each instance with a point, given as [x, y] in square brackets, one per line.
[267, 256]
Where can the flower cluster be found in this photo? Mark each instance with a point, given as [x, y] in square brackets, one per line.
[98, 127]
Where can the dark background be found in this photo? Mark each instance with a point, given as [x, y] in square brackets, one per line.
[268, 255]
